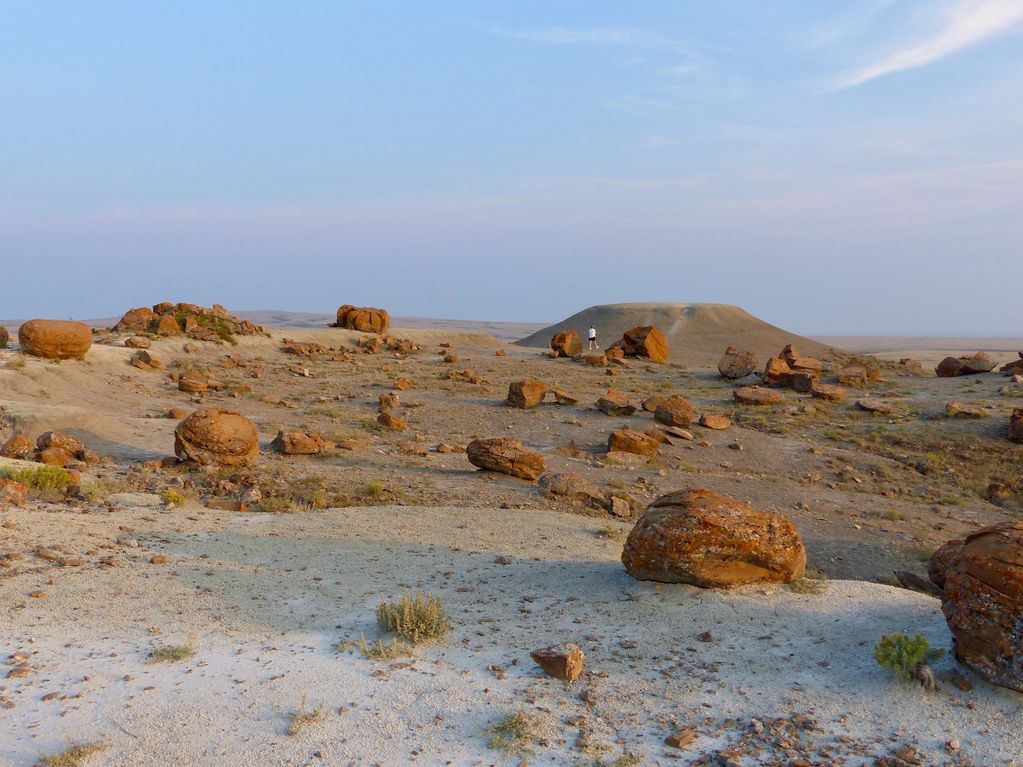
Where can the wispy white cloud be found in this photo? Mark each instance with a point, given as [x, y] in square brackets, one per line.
[964, 23]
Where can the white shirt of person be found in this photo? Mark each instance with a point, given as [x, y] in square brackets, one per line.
[593, 333]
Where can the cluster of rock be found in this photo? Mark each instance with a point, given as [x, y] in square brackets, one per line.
[981, 362]
[55, 339]
[52, 448]
[199, 323]
[981, 582]
[365, 319]
[643, 342]
[792, 370]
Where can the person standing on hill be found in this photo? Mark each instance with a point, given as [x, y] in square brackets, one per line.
[593, 338]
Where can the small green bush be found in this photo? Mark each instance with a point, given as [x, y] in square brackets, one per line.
[417, 619]
[908, 657]
[375, 488]
[171, 498]
[39, 477]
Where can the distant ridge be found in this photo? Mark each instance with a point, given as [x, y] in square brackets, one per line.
[697, 333]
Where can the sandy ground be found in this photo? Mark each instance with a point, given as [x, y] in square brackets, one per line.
[265, 601]
[928, 350]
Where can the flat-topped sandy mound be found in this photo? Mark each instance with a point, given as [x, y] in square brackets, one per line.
[696, 333]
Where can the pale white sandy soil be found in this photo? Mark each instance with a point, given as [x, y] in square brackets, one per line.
[265, 600]
[928, 350]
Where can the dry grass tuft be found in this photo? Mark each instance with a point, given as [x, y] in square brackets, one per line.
[303, 716]
[516, 733]
[417, 619]
[170, 653]
[72, 756]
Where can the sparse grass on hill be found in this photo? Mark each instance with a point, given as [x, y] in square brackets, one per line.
[302, 717]
[170, 653]
[516, 733]
[74, 755]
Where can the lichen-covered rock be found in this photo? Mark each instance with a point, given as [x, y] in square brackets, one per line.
[527, 393]
[70, 445]
[776, 372]
[55, 339]
[567, 343]
[710, 540]
[297, 443]
[136, 320]
[675, 411]
[615, 403]
[507, 456]
[736, 363]
[644, 341]
[18, 446]
[632, 441]
[217, 436]
[981, 362]
[982, 598]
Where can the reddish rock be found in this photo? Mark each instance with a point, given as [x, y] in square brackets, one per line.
[12, 493]
[802, 381]
[53, 456]
[650, 403]
[297, 443]
[193, 382]
[754, 395]
[982, 598]
[645, 341]
[391, 422]
[5, 337]
[981, 362]
[567, 343]
[564, 398]
[217, 436]
[168, 326]
[871, 405]
[364, 319]
[776, 372]
[1016, 425]
[632, 441]
[55, 339]
[675, 411]
[735, 363]
[957, 409]
[717, 422]
[136, 320]
[389, 400]
[853, 375]
[18, 446]
[507, 456]
[573, 487]
[615, 403]
[948, 367]
[710, 540]
[595, 360]
[149, 361]
[403, 384]
[526, 393]
[451, 358]
[828, 392]
[138, 342]
[563, 661]
[70, 445]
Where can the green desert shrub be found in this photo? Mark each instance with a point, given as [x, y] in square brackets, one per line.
[39, 477]
[908, 657]
[418, 619]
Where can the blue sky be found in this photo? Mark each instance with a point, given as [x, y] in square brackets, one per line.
[838, 167]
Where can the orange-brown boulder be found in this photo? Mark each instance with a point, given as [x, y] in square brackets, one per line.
[632, 441]
[193, 382]
[644, 341]
[776, 372]
[389, 400]
[735, 363]
[650, 403]
[391, 422]
[507, 456]
[297, 443]
[828, 392]
[710, 540]
[567, 344]
[526, 393]
[70, 445]
[754, 395]
[55, 339]
[716, 421]
[136, 320]
[1016, 425]
[18, 446]
[12, 493]
[138, 342]
[982, 598]
[802, 381]
[675, 411]
[949, 367]
[853, 375]
[615, 403]
[364, 319]
[403, 384]
[5, 337]
[981, 362]
[53, 456]
[217, 436]
[595, 360]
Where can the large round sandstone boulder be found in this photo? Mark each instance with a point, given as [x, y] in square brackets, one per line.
[4, 337]
[55, 339]
[507, 456]
[710, 540]
[736, 363]
[644, 341]
[982, 598]
[217, 436]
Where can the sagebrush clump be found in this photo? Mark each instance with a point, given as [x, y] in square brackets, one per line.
[908, 657]
[416, 619]
[39, 477]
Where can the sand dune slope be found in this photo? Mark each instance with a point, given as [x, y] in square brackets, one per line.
[697, 333]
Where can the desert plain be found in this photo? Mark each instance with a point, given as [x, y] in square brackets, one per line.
[162, 611]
